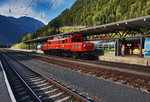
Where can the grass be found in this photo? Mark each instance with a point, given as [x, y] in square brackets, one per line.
[22, 45]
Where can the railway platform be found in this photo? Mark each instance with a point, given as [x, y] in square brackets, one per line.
[6, 94]
[26, 50]
[129, 59]
[126, 59]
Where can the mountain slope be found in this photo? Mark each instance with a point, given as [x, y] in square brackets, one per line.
[11, 29]
[95, 12]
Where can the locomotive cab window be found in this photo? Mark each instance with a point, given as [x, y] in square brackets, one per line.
[63, 41]
[66, 41]
[73, 40]
[79, 40]
[49, 43]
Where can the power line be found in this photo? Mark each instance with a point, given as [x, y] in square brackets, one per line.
[9, 10]
[28, 6]
[48, 7]
[10, 6]
[15, 3]
[31, 3]
[42, 17]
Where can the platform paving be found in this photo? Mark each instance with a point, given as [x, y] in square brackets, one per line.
[104, 90]
[4, 94]
[126, 59]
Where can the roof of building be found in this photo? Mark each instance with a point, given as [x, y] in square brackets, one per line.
[131, 24]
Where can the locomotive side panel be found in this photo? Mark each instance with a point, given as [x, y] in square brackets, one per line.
[71, 46]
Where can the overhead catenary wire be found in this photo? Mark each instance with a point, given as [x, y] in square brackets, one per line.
[28, 6]
[15, 3]
[48, 8]
[42, 17]
[9, 9]
[10, 6]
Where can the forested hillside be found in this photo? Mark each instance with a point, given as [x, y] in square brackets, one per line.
[96, 12]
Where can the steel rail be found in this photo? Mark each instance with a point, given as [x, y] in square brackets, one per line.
[70, 92]
[22, 80]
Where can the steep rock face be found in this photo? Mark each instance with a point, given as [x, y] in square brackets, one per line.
[11, 29]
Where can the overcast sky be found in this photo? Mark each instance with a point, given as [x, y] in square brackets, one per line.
[43, 10]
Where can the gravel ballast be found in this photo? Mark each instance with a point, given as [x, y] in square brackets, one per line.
[102, 89]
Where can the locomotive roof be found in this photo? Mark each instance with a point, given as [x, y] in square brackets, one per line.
[60, 39]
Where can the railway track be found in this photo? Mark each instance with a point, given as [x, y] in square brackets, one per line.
[138, 68]
[19, 87]
[97, 62]
[128, 68]
[29, 85]
[135, 78]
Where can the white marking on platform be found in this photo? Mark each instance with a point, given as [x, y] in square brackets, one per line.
[7, 84]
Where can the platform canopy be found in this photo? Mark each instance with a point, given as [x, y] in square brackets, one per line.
[132, 24]
[135, 24]
[38, 40]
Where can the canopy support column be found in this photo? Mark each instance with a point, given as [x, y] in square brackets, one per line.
[118, 47]
[28, 46]
[141, 46]
[36, 46]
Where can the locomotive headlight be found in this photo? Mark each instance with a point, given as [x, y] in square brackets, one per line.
[84, 45]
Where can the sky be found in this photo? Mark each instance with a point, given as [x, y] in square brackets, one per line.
[43, 10]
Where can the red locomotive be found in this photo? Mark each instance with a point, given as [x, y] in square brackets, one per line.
[69, 45]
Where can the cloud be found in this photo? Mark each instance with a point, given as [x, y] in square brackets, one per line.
[56, 3]
[18, 9]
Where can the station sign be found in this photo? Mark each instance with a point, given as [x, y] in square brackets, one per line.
[147, 47]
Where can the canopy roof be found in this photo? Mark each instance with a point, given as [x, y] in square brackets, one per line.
[132, 24]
